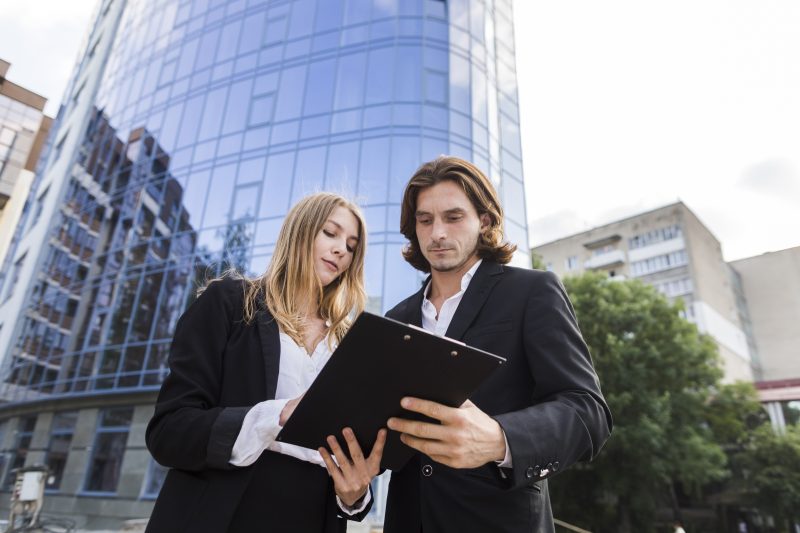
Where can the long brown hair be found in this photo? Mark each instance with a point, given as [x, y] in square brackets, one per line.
[290, 278]
[481, 194]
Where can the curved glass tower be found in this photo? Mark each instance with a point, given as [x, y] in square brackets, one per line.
[204, 122]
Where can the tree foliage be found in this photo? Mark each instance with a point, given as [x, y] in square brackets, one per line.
[536, 261]
[770, 470]
[657, 373]
[733, 413]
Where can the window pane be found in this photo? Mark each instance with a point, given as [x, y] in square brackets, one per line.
[116, 417]
[329, 15]
[191, 121]
[261, 109]
[244, 202]
[228, 40]
[372, 177]
[310, 172]
[405, 160]
[212, 114]
[350, 81]
[18, 454]
[409, 61]
[3, 461]
[277, 184]
[154, 479]
[251, 33]
[290, 94]
[57, 454]
[342, 168]
[219, 196]
[106, 462]
[235, 112]
[381, 78]
[320, 82]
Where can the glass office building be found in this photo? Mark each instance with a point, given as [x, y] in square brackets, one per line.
[207, 121]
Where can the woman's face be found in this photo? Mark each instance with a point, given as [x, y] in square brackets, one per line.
[335, 244]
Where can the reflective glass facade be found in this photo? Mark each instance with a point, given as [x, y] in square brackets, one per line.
[213, 118]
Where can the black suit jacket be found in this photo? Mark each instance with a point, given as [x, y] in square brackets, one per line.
[219, 368]
[546, 398]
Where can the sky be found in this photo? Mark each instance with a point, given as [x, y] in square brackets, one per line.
[625, 106]
[628, 105]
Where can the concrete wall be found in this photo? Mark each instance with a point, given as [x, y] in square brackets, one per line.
[90, 512]
[771, 284]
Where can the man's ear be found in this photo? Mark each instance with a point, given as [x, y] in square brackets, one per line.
[486, 222]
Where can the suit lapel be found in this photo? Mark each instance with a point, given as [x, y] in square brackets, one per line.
[414, 315]
[477, 292]
[270, 349]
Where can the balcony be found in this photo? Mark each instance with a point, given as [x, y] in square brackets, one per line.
[605, 260]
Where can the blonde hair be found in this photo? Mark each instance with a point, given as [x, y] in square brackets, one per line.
[290, 280]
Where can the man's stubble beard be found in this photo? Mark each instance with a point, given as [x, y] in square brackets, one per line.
[460, 263]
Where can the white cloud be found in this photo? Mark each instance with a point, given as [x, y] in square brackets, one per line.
[774, 177]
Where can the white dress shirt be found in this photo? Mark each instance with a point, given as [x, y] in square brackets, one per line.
[261, 425]
[439, 324]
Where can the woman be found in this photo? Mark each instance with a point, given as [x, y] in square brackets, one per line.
[242, 356]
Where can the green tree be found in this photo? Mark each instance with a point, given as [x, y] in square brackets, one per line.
[657, 373]
[733, 413]
[770, 470]
[536, 261]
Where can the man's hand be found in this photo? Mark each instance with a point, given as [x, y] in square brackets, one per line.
[352, 476]
[466, 438]
[288, 409]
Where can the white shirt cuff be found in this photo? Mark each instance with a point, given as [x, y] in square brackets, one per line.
[355, 510]
[259, 429]
[506, 462]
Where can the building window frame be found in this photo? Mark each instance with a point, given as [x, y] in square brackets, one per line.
[107, 427]
[59, 431]
[17, 456]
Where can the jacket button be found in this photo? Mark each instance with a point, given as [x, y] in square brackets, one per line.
[530, 472]
[427, 470]
[550, 467]
[555, 466]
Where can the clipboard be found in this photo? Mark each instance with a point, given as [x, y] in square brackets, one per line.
[377, 363]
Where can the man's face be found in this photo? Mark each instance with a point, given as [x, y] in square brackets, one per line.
[447, 226]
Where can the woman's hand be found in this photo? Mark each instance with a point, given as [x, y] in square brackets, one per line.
[352, 476]
[288, 409]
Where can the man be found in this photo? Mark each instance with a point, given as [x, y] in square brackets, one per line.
[484, 468]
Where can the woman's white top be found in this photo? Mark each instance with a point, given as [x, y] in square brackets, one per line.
[261, 425]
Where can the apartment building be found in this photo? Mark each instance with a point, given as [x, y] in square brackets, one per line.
[672, 250]
[23, 130]
[770, 285]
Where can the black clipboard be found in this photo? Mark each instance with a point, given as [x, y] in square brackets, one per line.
[378, 362]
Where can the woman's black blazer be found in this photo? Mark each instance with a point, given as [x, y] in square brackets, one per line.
[220, 367]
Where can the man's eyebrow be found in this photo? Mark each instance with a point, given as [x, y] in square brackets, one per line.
[453, 211]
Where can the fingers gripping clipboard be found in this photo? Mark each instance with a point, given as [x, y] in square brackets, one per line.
[378, 362]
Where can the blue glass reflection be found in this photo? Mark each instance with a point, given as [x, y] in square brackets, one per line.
[212, 119]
